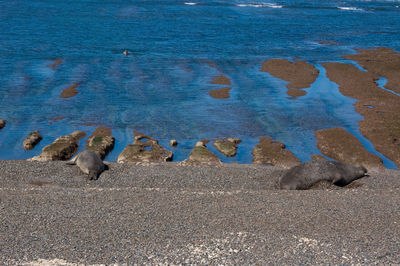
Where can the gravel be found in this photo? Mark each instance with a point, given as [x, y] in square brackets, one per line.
[174, 214]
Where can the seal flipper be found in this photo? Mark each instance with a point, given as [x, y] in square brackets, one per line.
[92, 175]
[72, 161]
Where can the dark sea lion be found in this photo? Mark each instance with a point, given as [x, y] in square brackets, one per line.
[307, 174]
[89, 163]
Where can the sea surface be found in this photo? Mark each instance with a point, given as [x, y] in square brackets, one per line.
[176, 48]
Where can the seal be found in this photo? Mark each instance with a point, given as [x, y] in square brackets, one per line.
[305, 175]
[89, 163]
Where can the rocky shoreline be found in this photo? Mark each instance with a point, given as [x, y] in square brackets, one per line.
[378, 104]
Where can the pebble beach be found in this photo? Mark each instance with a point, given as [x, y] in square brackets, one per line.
[174, 214]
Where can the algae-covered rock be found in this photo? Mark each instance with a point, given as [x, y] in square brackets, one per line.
[2, 123]
[63, 148]
[201, 155]
[31, 140]
[268, 151]
[144, 149]
[317, 157]
[227, 147]
[341, 145]
[101, 141]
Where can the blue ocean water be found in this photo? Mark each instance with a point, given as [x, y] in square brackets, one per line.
[176, 48]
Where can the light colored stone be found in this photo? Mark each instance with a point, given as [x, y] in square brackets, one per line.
[31, 140]
[63, 148]
[273, 152]
[144, 149]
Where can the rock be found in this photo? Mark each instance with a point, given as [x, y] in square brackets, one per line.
[273, 152]
[101, 142]
[69, 92]
[299, 74]
[31, 140]
[63, 148]
[379, 107]
[221, 80]
[341, 145]
[144, 149]
[227, 148]
[201, 155]
[173, 142]
[2, 123]
[222, 93]
[200, 144]
[234, 140]
[317, 157]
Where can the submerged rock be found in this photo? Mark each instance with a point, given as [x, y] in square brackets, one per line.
[101, 142]
[299, 74]
[63, 148]
[69, 92]
[227, 147]
[268, 151]
[221, 80]
[31, 140]
[144, 149]
[381, 123]
[201, 155]
[222, 93]
[2, 123]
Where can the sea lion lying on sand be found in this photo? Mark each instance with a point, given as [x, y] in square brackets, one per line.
[89, 163]
[307, 174]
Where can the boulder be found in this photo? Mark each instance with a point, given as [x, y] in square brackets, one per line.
[227, 147]
[272, 152]
[31, 140]
[144, 149]
[63, 148]
[201, 155]
[2, 123]
[101, 141]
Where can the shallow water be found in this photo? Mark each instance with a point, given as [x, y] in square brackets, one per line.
[162, 87]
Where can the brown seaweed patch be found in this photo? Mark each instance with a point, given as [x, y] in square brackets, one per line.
[382, 62]
[299, 74]
[70, 91]
[296, 92]
[212, 64]
[269, 151]
[55, 64]
[341, 145]
[222, 93]
[221, 80]
[56, 119]
[381, 124]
